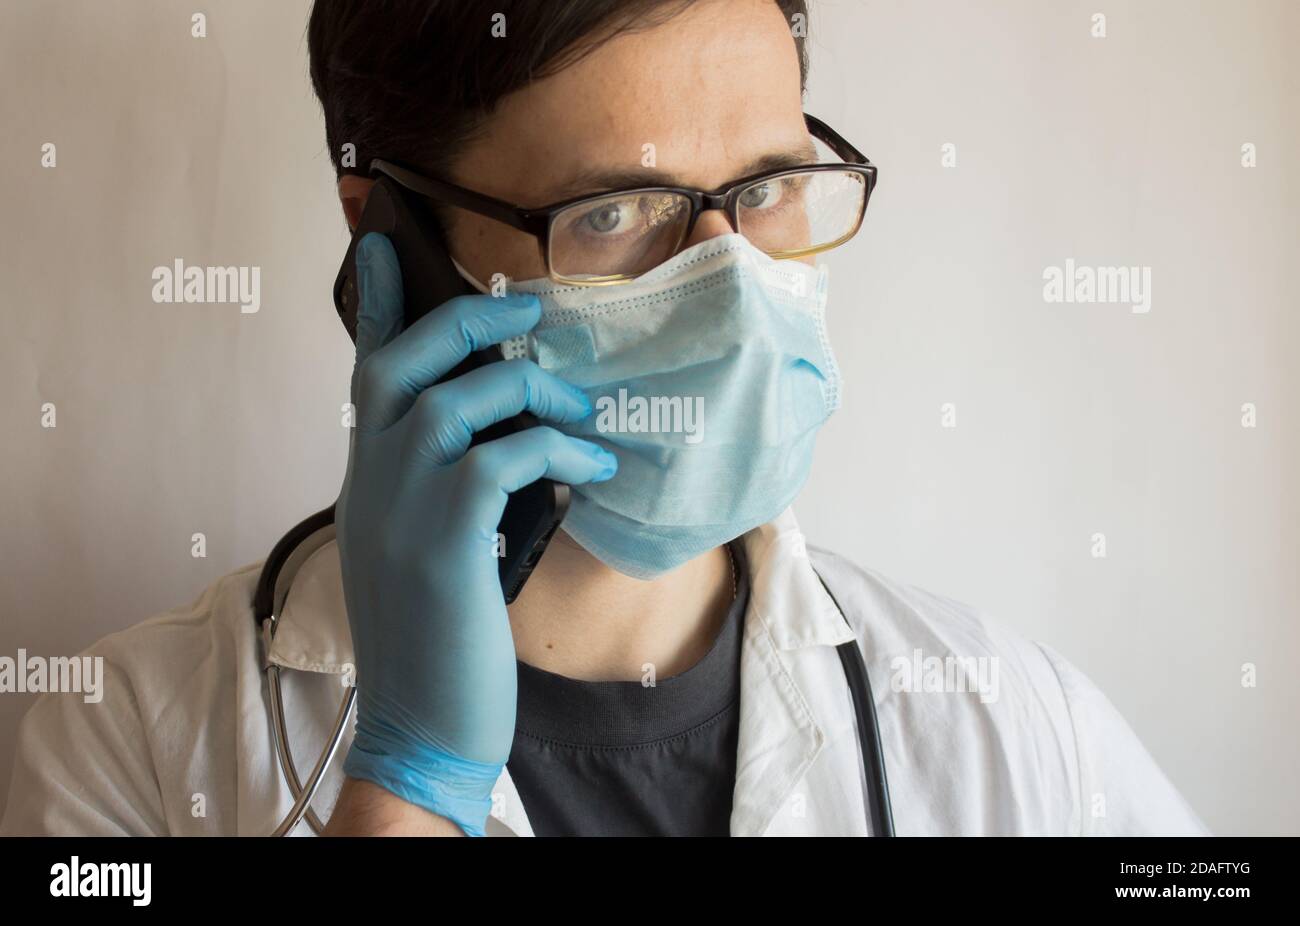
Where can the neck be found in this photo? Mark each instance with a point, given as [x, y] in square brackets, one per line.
[579, 618]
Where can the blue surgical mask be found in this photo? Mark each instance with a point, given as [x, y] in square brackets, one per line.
[710, 375]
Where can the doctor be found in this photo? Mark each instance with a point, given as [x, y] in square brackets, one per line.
[671, 666]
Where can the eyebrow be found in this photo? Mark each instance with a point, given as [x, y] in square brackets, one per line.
[591, 181]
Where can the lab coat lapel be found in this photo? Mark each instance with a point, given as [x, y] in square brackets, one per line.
[796, 770]
[779, 738]
[825, 796]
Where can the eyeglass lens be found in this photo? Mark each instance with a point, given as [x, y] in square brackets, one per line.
[626, 234]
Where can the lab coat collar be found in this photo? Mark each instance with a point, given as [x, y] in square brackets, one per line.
[780, 733]
[786, 597]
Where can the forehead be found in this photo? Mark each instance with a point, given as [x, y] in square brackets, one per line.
[701, 95]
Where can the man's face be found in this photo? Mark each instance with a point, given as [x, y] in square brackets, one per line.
[715, 90]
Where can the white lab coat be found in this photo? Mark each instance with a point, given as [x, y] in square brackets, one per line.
[181, 742]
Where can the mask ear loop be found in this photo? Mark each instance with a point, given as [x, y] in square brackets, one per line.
[524, 345]
[469, 277]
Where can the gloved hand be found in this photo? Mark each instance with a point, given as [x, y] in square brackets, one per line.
[416, 519]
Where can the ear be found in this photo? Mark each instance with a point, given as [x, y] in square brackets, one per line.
[353, 191]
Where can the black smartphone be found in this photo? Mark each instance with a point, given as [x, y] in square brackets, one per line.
[533, 514]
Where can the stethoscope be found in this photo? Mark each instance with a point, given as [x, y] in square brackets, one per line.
[306, 538]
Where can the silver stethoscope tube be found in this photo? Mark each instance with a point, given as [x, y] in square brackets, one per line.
[302, 795]
[272, 591]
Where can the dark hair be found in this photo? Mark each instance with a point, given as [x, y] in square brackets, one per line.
[411, 80]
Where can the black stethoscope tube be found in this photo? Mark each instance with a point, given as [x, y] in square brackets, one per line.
[264, 596]
[873, 756]
[864, 706]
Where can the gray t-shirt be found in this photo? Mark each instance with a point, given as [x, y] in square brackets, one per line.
[623, 759]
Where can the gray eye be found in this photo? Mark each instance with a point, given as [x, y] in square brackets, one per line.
[604, 219]
[755, 196]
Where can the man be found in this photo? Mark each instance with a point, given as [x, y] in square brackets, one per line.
[672, 665]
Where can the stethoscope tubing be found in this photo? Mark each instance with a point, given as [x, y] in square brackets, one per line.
[879, 809]
[303, 795]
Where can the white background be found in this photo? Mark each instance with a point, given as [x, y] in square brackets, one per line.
[1071, 419]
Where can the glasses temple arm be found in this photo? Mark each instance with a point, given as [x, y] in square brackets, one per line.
[837, 142]
[452, 195]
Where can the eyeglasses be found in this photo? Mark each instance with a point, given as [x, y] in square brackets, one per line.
[613, 237]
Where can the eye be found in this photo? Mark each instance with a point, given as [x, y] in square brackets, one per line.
[605, 218]
[762, 195]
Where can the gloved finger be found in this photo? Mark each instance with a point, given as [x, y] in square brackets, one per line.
[393, 377]
[446, 416]
[379, 288]
[498, 467]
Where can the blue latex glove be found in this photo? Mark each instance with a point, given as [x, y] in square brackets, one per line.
[416, 520]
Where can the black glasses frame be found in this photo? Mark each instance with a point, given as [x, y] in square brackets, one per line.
[537, 222]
